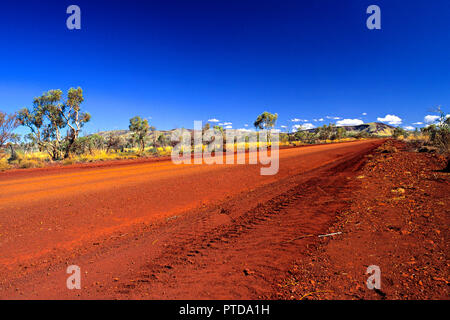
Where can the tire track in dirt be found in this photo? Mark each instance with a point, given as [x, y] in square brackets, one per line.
[243, 259]
[234, 248]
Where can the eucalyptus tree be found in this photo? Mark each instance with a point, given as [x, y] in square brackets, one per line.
[8, 122]
[266, 121]
[140, 129]
[73, 116]
[50, 116]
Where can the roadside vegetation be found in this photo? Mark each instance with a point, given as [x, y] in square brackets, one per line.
[434, 138]
[55, 135]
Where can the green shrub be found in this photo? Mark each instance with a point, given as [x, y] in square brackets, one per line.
[439, 134]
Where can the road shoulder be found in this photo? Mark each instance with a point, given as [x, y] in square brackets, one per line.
[398, 220]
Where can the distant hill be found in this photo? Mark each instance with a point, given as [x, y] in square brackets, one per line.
[376, 128]
[126, 134]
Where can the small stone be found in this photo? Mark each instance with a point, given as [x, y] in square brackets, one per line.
[248, 272]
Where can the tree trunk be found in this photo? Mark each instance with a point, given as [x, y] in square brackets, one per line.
[13, 153]
[69, 147]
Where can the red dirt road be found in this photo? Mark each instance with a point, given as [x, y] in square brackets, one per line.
[155, 230]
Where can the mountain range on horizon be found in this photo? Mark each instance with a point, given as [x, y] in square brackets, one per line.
[373, 128]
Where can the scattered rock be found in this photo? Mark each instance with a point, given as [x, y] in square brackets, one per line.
[405, 235]
[248, 272]
[398, 190]
[387, 149]
[428, 149]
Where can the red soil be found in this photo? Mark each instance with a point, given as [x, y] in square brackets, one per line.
[398, 219]
[160, 231]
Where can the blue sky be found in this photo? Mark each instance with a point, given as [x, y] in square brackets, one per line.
[180, 61]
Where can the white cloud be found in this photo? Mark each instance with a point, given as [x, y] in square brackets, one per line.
[299, 120]
[321, 119]
[227, 123]
[364, 113]
[245, 125]
[283, 126]
[245, 130]
[334, 118]
[391, 119]
[229, 127]
[410, 128]
[418, 123]
[213, 120]
[305, 126]
[430, 118]
[349, 122]
[308, 126]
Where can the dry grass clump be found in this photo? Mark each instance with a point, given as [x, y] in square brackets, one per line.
[25, 161]
[30, 163]
[4, 165]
